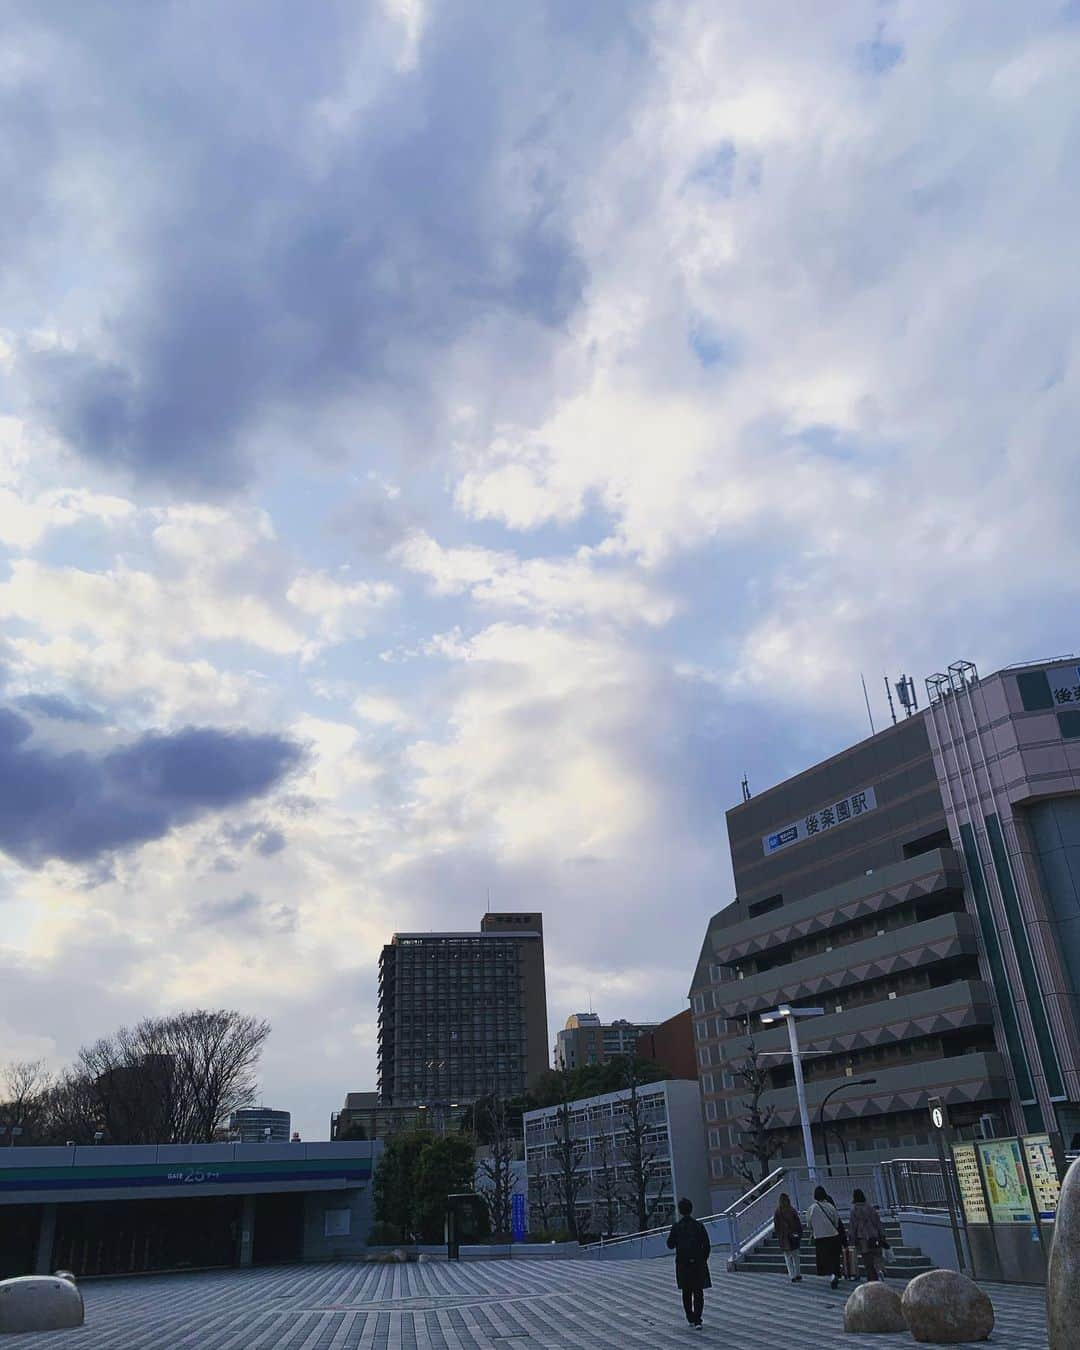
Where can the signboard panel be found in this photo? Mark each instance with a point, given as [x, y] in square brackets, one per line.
[820, 821]
[967, 1177]
[1003, 1171]
[1044, 1177]
[1065, 685]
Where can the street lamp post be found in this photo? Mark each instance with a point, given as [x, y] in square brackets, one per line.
[849, 1083]
[789, 1014]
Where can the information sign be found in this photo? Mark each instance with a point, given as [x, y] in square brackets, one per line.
[967, 1178]
[1003, 1171]
[1044, 1176]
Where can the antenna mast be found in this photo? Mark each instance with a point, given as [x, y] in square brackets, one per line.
[888, 695]
[866, 696]
[745, 788]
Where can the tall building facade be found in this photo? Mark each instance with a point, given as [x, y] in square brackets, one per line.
[463, 1015]
[260, 1124]
[586, 1040]
[923, 888]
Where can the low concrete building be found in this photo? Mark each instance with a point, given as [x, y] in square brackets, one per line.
[114, 1210]
[602, 1149]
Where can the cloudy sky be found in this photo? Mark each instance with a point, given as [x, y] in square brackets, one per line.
[444, 445]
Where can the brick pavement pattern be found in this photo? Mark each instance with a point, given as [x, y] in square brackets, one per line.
[483, 1305]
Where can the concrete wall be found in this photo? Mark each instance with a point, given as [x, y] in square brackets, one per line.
[932, 1234]
[689, 1165]
[357, 1205]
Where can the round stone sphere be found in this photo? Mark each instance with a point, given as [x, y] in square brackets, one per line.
[39, 1303]
[943, 1307]
[874, 1308]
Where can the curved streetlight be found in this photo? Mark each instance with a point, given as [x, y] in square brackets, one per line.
[848, 1083]
[786, 1013]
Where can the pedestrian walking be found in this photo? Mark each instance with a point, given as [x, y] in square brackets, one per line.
[690, 1242]
[787, 1226]
[828, 1231]
[868, 1235]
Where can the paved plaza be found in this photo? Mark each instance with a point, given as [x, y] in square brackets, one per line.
[496, 1305]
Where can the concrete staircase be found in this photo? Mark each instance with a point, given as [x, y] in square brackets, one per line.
[901, 1263]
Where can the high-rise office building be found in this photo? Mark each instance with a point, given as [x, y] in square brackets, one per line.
[463, 1015]
[922, 889]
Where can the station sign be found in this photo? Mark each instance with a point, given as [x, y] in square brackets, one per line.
[820, 821]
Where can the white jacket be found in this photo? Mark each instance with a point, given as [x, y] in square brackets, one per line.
[824, 1220]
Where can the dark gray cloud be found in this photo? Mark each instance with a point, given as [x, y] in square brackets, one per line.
[269, 843]
[246, 910]
[59, 708]
[77, 806]
[328, 246]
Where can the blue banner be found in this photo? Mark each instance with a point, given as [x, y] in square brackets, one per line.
[517, 1217]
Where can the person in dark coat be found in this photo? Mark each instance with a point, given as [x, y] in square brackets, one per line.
[868, 1235]
[829, 1235]
[787, 1226]
[690, 1242]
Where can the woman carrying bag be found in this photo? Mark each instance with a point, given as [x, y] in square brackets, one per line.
[868, 1235]
[787, 1227]
[829, 1236]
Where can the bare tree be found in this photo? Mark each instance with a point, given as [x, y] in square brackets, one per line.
[643, 1156]
[70, 1110]
[26, 1084]
[608, 1185]
[569, 1155]
[759, 1142]
[216, 1054]
[540, 1194]
[497, 1168]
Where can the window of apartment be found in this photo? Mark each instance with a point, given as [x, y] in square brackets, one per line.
[765, 906]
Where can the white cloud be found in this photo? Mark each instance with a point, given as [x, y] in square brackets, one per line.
[555, 588]
[342, 609]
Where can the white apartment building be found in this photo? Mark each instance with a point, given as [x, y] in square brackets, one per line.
[673, 1145]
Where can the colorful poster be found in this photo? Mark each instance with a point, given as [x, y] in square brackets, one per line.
[1044, 1175]
[967, 1177]
[1003, 1171]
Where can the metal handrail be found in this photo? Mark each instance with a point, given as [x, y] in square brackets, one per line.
[744, 1201]
[646, 1233]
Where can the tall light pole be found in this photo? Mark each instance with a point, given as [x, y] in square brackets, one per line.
[790, 1015]
[848, 1083]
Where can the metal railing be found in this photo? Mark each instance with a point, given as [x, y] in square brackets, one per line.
[892, 1186]
[750, 1218]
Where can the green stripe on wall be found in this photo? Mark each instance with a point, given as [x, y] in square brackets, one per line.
[1032, 989]
[998, 974]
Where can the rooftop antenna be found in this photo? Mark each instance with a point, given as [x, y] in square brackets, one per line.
[489, 899]
[888, 695]
[745, 788]
[905, 692]
[866, 696]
